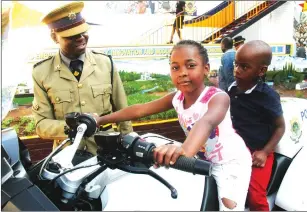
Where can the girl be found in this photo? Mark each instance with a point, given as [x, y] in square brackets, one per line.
[203, 113]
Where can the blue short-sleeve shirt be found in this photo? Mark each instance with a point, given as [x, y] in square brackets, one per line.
[254, 112]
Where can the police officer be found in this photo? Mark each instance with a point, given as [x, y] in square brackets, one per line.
[74, 80]
[238, 42]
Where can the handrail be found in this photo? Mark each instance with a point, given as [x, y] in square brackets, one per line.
[257, 9]
[150, 34]
[150, 31]
[208, 13]
[146, 36]
[219, 19]
[209, 27]
[216, 20]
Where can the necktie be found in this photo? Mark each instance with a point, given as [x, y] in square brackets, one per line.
[76, 68]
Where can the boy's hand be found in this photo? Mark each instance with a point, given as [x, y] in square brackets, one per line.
[259, 158]
[167, 154]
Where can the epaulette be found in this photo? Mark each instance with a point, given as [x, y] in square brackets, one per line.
[40, 62]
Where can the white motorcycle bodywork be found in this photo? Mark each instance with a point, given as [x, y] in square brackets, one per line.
[292, 194]
[141, 192]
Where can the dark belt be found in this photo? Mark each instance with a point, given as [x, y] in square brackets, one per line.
[105, 127]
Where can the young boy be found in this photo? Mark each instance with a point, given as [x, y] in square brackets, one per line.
[257, 116]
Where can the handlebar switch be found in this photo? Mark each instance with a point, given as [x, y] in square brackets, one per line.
[107, 141]
[138, 148]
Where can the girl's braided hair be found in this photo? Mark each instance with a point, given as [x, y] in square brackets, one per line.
[201, 50]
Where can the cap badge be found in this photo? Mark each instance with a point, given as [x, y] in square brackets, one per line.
[72, 16]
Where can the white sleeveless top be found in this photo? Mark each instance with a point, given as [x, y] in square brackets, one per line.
[224, 144]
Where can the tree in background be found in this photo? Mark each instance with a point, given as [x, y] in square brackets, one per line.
[301, 30]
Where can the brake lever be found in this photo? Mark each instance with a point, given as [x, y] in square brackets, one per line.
[119, 160]
[135, 170]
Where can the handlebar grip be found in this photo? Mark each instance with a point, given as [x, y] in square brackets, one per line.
[193, 165]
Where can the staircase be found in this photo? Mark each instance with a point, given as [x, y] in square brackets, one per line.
[227, 19]
[244, 21]
[161, 34]
[208, 14]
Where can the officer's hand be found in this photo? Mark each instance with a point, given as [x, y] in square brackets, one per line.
[259, 158]
[94, 115]
[167, 154]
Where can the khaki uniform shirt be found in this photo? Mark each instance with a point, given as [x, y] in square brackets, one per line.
[57, 92]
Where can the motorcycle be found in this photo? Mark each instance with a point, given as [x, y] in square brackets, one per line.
[120, 176]
[65, 182]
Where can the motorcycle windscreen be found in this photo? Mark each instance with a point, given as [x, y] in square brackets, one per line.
[6, 170]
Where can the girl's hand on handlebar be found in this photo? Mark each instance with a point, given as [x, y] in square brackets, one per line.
[166, 155]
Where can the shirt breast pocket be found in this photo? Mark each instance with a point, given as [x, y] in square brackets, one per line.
[102, 97]
[61, 101]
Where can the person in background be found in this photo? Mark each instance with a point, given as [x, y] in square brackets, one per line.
[213, 78]
[301, 51]
[152, 6]
[141, 7]
[74, 80]
[225, 74]
[238, 41]
[178, 23]
[257, 116]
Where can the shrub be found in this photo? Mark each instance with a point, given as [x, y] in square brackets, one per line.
[30, 128]
[129, 76]
[288, 77]
[165, 85]
[299, 94]
[269, 75]
[133, 87]
[16, 128]
[161, 76]
[6, 122]
[139, 98]
[299, 77]
[23, 120]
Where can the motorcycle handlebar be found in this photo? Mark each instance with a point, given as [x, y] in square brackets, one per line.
[143, 151]
[193, 165]
[126, 152]
[135, 146]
